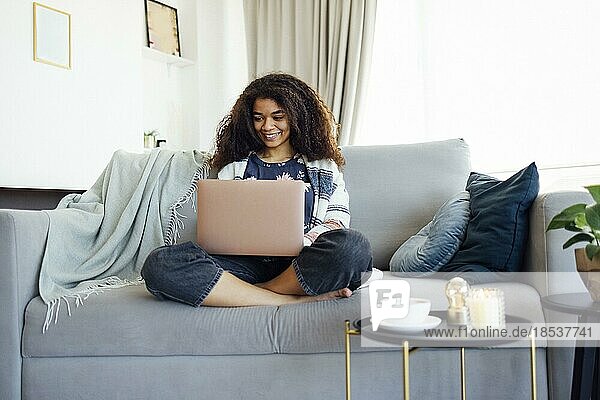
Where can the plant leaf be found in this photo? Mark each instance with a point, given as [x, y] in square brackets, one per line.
[566, 216]
[580, 237]
[571, 227]
[581, 221]
[592, 216]
[591, 250]
[595, 192]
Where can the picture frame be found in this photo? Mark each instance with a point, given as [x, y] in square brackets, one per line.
[51, 36]
[162, 28]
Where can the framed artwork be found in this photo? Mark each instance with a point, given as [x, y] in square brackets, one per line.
[162, 29]
[51, 36]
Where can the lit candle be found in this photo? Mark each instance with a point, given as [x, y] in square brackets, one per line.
[486, 308]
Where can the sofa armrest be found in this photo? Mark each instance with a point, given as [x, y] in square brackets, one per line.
[545, 255]
[22, 243]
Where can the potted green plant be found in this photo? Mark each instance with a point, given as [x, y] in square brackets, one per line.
[584, 220]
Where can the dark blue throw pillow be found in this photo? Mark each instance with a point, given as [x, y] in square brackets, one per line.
[498, 225]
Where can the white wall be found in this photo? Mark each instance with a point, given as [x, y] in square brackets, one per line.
[59, 127]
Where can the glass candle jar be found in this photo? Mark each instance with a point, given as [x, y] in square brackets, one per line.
[486, 308]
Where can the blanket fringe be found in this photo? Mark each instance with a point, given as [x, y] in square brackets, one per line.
[176, 224]
[112, 282]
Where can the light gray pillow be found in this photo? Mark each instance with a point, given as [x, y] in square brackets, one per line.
[437, 242]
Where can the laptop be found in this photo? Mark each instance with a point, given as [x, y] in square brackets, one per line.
[251, 217]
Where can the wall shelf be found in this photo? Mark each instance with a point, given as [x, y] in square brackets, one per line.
[169, 59]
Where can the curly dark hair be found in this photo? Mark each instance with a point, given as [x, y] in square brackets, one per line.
[313, 129]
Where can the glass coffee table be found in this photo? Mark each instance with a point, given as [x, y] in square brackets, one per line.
[413, 341]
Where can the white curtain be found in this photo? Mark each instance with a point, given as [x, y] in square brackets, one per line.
[327, 43]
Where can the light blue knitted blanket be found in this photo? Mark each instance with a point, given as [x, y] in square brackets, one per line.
[99, 240]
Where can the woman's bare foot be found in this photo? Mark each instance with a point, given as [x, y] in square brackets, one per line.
[336, 294]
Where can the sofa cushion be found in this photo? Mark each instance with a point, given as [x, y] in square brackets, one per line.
[437, 242]
[498, 227]
[130, 321]
[395, 190]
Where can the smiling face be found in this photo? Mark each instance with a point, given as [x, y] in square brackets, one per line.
[271, 125]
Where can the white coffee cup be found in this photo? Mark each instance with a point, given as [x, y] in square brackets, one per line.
[418, 310]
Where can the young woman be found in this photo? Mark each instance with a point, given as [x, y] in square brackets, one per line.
[279, 128]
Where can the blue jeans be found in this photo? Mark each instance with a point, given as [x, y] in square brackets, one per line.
[186, 273]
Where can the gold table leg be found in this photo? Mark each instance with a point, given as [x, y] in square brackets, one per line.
[348, 333]
[533, 370]
[406, 372]
[463, 375]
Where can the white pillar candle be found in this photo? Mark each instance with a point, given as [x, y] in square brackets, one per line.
[486, 308]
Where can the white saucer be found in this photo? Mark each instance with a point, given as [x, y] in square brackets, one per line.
[398, 324]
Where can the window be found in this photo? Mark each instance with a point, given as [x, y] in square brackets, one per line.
[519, 81]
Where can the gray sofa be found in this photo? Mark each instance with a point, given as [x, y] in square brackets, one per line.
[125, 344]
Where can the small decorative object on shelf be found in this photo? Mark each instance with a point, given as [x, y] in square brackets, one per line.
[486, 308]
[584, 220]
[457, 291]
[150, 139]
